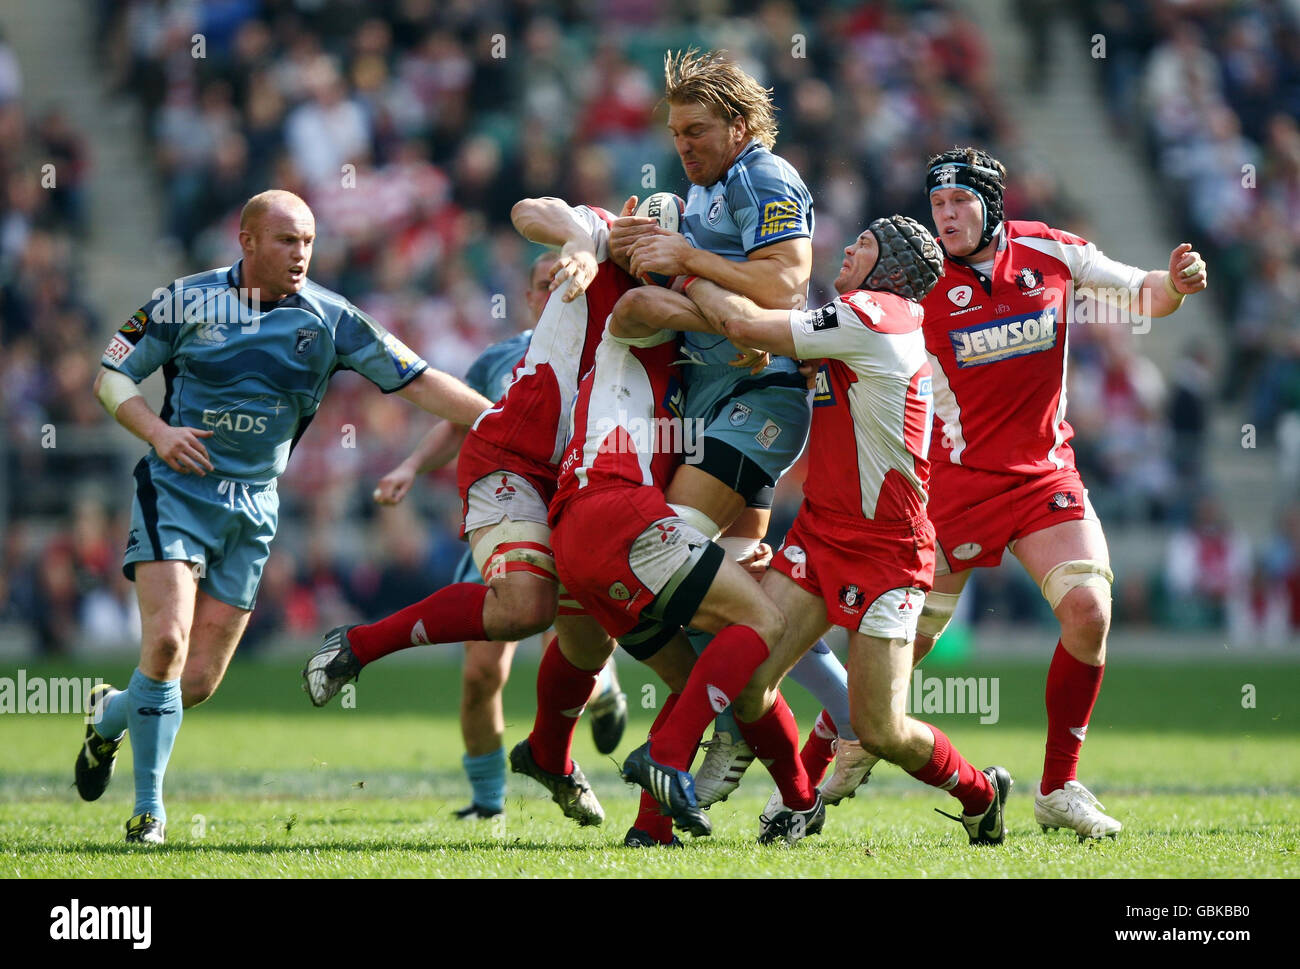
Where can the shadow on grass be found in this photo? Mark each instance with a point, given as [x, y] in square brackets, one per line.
[369, 847]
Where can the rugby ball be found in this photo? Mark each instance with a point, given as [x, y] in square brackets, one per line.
[669, 211]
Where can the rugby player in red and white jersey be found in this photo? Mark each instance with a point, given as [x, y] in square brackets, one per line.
[506, 474]
[860, 553]
[1004, 473]
[651, 572]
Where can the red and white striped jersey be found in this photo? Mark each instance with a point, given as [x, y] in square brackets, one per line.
[1000, 354]
[627, 421]
[873, 391]
[532, 419]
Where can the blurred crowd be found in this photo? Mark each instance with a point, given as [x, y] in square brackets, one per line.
[411, 127]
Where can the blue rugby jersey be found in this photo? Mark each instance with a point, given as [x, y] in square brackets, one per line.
[252, 376]
[491, 373]
[761, 200]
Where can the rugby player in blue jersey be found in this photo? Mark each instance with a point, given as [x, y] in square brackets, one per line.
[246, 351]
[748, 227]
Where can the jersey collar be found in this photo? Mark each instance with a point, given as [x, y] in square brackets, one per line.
[234, 278]
[754, 144]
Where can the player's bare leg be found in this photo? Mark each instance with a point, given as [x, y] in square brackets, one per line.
[806, 621]
[482, 725]
[878, 677]
[940, 609]
[484, 675]
[217, 630]
[1071, 564]
[518, 601]
[151, 706]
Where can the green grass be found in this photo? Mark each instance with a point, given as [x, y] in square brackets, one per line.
[262, 785]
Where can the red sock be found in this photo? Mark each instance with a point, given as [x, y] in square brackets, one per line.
[650, 818]
[450, 615]
[951, 772]
[719, 674]
[562, 691]
[774, 739]
[1072, 688]
[819, 749]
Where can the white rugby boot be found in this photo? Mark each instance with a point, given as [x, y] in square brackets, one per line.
[726, 757]
[852, 770]
[1074, 807]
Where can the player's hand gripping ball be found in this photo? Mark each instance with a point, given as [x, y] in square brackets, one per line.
[668, 210]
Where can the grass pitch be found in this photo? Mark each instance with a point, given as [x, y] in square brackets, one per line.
[263, 785]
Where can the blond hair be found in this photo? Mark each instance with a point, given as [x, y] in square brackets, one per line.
[719, 84]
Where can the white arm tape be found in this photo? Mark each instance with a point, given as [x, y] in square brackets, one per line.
[115, 389]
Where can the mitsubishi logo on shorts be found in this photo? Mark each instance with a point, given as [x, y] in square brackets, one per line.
[666, 532]
[906, 605]
[505, 492]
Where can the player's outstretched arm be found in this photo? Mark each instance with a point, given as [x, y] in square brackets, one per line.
[553, 222]
[775, 277]
[444, 396]
[439, 445]
[1163, 290]
[745, 323]
[181, 448]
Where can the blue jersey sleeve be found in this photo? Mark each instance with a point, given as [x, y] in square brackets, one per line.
[769, 203]
[146, 341]
[492, 372]
[366, 347]
[479, 375]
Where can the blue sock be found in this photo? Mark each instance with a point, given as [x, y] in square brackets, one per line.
[822, 674]
[487, 779]
[154, 718]
[112, 715]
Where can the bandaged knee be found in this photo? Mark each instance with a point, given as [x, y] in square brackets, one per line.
[699, 521]
[516, 547]
[936, 614]
[1071, 575]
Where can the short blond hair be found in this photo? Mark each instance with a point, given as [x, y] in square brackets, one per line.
[717, 82]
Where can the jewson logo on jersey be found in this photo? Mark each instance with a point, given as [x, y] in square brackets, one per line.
[75, 922]
[653, 435]
[212, 308]
[43, 694]
[1110, 305]
[966, 695]
[1013, 336]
